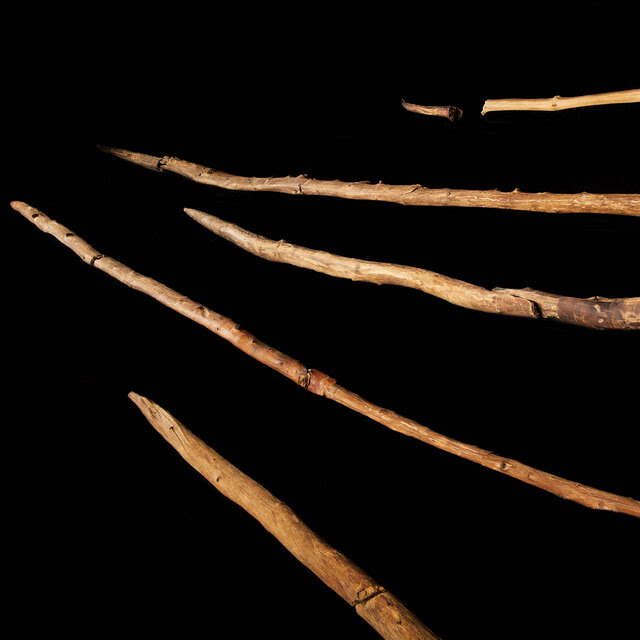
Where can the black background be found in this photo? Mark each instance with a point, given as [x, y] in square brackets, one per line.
[113, 531]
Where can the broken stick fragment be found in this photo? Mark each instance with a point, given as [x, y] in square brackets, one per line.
[382, 610]
[558, 103]
[625, 204]
[320, 383]
[595, 313]
[449, 112]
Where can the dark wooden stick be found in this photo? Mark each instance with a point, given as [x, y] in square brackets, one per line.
[450, 112]
[596, 312]
[558, 103]
[320, 383]
[616, 203]
[382, 610]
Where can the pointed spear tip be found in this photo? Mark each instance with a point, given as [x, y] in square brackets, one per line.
[113, 150]
[143, 159]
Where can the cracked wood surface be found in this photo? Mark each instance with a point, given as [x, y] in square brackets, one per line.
[415, 194]
[596, 312]
[382, 610]
[450, 112]
[558, 103]
[320, 383]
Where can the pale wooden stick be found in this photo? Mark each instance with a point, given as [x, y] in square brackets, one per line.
[597, 312]
[450, 112]
[558, 103]
[320, 383]
[616, 203]
[382, 610]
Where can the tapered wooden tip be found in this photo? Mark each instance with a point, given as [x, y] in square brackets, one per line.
[143, 159]
[21, 207]
[161, 421]
[207, 220]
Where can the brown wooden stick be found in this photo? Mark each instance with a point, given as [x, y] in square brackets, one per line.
[597, 312]
[414, 194]
[450, 112]
[558, 103]
[382, 610]
[320, 383]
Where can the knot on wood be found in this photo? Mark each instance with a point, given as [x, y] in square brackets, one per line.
[319, 382]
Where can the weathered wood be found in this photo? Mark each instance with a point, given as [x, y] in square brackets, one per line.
[597, 312]
[382, 610]
[449, 112]
[558, 103]
[320, 383]
[615, 203]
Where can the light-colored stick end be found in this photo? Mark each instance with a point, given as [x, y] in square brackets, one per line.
[157, 416]
[22, 208]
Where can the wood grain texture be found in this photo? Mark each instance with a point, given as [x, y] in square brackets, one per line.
[414, 194]
[449, 112]
[382, 610]
[596, 312]
[558, 103]
[320, 383]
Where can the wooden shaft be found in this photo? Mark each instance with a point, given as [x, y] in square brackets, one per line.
[450, 112]
[383, 611]
[415, 194]
[558, 103]
[320, 383]
[597, 312]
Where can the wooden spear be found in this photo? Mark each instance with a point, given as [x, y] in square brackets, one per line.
[558, 103]
[382, 610]
[450, 112]
[616, 203]
[596, 312]
[320, 383]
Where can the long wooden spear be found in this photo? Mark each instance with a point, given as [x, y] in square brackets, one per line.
[382, 610]
[320, 383]
[558, 103]
[596, 312]
[627, 204]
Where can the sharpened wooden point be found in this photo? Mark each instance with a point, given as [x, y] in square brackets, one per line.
[382, 610]
[320, 383]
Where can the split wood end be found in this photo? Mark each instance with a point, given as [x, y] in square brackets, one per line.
[449, 112]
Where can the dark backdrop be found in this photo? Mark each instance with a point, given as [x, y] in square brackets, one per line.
[113, 531]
